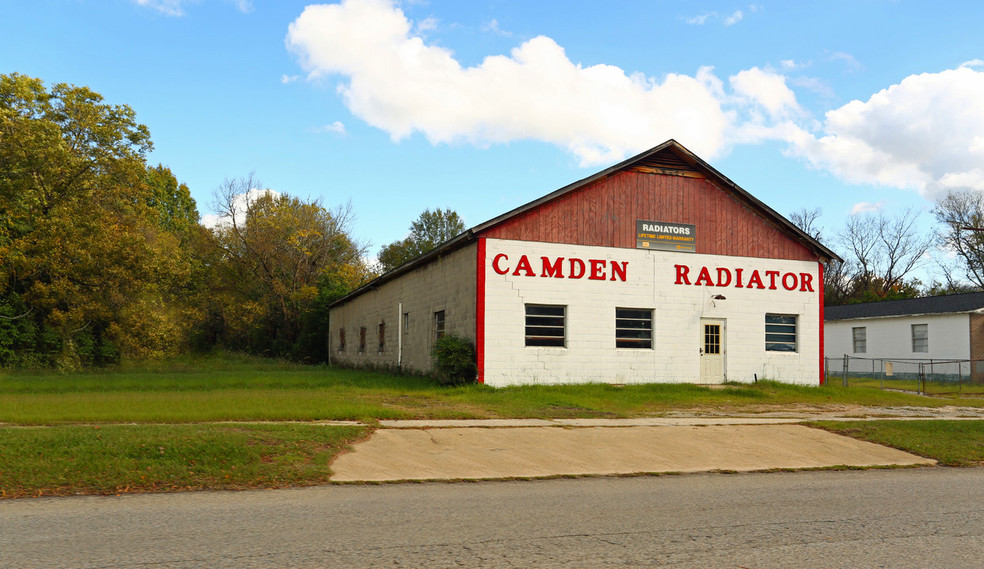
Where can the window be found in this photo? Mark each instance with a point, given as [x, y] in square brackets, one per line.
[362, 339]
[382, 336]
[341, 339]
[406, 322]
[439, 324]
[780, 332]
[633, 328]
[860, 335]
[920, 338]
[545, 325]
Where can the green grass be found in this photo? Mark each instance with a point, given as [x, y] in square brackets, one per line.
[113, 459]
[238, 388]
[952, 443]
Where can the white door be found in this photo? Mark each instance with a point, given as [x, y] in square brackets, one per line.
[712, 351]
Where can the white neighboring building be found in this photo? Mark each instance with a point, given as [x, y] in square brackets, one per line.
[933, 328]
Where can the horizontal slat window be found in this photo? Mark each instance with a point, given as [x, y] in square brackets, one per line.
[780, 332]
[633, 328]
[545, 325]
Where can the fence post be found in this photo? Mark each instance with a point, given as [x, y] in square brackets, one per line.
[845, 370]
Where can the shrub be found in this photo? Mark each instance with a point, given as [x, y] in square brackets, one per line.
[454, 360]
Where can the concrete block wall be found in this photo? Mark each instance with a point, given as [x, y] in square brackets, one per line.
[447, 283]
[590, 354]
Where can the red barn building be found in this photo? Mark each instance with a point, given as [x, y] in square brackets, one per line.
[658, 269]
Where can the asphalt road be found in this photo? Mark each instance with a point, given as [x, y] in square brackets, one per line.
[926, 517]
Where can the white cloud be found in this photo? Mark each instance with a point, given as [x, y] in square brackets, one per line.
[865, 207]
[848, 60]
[166, 7]
[398, 83]
[973, 63]
[240, 204]
[427, 25]
[700, 20]
[285, 79]
[177, 7]
[336, 127]
[244, 6]
[733, 18]
[925, 133]
[493, 26]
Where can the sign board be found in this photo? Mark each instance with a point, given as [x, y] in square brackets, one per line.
[663, 236]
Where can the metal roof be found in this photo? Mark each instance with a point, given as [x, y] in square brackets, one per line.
[947, 304]
[678, 155]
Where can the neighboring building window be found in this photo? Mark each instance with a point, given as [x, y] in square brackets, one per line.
[439, 324]
[780, 332]
[406, 322]
[920, 338]
[382, 336]
[341, 339]
[545, 325]
[362, 339]
[860, 337]
[633, 328]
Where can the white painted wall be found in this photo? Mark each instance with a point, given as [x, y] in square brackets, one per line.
[891, 337]
[590, 354]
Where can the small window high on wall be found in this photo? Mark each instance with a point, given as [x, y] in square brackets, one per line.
[633, 328]
[859, 336]
[920, 338]
[780, 332]
[545, 325]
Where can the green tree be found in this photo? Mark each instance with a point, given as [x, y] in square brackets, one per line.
[276, 250]
[427, 232]
[82, 253]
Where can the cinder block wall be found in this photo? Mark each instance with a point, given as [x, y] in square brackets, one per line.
[447, 283]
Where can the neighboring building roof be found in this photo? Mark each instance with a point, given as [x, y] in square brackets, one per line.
[670, 158]
[948, 304]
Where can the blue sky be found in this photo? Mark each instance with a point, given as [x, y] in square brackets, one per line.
[483, 106]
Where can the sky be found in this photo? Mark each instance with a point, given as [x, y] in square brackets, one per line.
[398, 106]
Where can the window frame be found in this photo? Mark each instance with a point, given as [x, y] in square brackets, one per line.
[362, 339]
[780, 333]
[440, 324]
[859, 340]
[382, 336]
[624, 328]
[544, 320]
[341, 340]
[923, 338]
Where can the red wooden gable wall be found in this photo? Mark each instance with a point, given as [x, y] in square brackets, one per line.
[604, 213]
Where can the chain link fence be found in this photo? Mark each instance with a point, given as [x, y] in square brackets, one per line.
[928, 377]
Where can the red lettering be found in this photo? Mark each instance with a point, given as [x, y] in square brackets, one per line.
[495, 264]
[524, 265]
[725, 272]
[704, 277]
[556, 270]
[738, 278]
[806, 282]
[755, 279]
[579, 273]
[619, 268]
[682, 271]
[597, 270]
[772, 279]
[785, 282]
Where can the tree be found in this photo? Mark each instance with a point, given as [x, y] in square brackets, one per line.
[82, 256]
[275, 251]
[837, 283]
[961, 214]
[883, 252]
[427, 232]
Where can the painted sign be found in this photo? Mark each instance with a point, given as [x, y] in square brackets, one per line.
[663, 236]
[743, 278]
[593, 269]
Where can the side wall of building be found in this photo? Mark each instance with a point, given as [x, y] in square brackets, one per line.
[891, 337]
[668, 283]
[444, 286]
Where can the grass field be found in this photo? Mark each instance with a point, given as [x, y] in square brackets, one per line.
[163, 426]
[952, 443]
